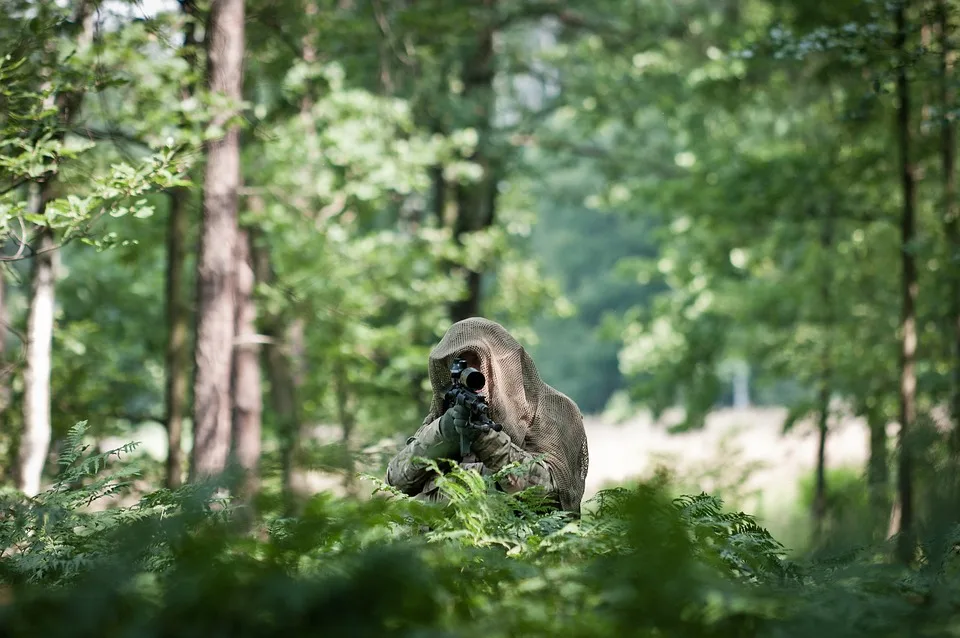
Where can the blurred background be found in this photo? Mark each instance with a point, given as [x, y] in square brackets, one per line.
[727, 229]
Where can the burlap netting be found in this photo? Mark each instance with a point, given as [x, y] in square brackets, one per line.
[538, 418]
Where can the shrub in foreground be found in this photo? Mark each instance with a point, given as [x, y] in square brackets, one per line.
[488, 564]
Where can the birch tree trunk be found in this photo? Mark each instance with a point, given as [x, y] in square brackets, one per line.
[37, 428]
[35, 438]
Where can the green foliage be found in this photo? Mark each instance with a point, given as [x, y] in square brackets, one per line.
[330, 179]
[847, 507]
[680, 185]
[54, 539]
[769, 180]
[64, 139]
[637, 563]
[37, 142]
[487, 563]
[582, 248]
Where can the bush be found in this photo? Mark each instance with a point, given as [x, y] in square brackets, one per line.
[637, 563]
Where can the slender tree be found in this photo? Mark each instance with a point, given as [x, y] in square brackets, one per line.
[951, 210]
[177, 354]
[476, 202]
[909, 291]
[216, 307]
[878, 470]
[178, 311]
[35, 439]
[37, 427]
[285, 356]
[246, 393]
[5, 368]
[823, 399]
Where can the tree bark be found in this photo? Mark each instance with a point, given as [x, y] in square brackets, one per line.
[820, 490]
[247, 396]
[476, 202]
[345, 410]
[6, 390]
[35, 439]
[878, 472]
[951, 211]
[178, 354]
[439, 195]
[215, 268]
[284, 388]
[178, 311]
[823, 421]
[909, 290]
[292, 360]
[284, 391]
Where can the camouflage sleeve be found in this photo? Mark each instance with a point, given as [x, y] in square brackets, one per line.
[496, 451]
[409, 476]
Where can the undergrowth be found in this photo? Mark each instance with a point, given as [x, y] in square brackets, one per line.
[490, 564]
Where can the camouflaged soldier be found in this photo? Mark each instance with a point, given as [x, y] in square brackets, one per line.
[537, 421]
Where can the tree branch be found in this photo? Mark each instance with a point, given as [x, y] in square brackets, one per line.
[12, 187]
[111, 135]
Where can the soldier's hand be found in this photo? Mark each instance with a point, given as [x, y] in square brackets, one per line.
[469, 432]
[452, 421]
[465, 429]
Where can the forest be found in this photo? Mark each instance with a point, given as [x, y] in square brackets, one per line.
[234, 230]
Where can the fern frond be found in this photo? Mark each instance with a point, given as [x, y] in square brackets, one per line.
[73, 446]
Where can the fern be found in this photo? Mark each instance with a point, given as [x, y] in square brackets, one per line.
[746, 548]
[54, 538]
[483, 563]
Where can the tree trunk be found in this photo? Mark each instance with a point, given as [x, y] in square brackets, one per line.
[10, 452]
[909, 289]
[347, 425]
[283, 382]
[951, 211]
[826, 301]
[878, 473]
[439, 188]
[247, 396]
[284, 404]
[177, 355]
[284, 390]
[292, 359]
[35, 439]
[178, 311]
[476, 202]
[6, 369]
[820, 490]
[284, 357]
[215, 268]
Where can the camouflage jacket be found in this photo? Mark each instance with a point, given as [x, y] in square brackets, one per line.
[491, 452]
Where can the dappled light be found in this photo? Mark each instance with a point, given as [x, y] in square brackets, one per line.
[483, 318]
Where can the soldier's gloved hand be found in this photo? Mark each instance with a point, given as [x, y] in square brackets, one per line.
[452, 421]
[468, 431]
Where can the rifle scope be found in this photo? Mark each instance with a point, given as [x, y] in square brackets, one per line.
[470, 378]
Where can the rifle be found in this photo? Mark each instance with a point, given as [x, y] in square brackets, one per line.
[465, 387]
